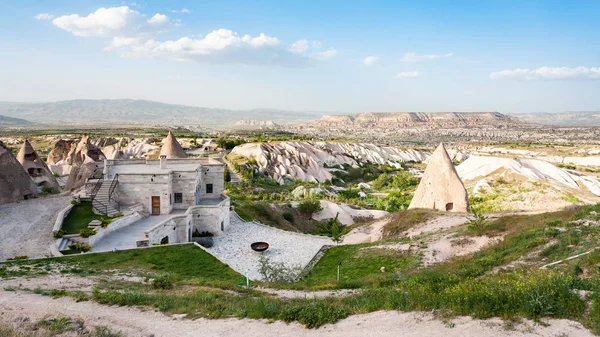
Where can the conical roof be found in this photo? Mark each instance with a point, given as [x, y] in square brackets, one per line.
[15, 183]
[171, 148]
[440, 187]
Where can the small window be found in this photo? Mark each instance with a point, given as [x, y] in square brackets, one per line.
[209, 188]
[178, 198]
[170, 199]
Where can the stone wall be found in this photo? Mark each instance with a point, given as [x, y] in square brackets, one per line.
[165, 228]
[140, 188]
[185, 183]
[213, 174]
[214, 219]
[60, 217]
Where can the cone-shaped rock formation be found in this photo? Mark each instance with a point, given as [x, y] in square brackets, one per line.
[35, 166]
[15, 183]
[171, 148]
[441, 187]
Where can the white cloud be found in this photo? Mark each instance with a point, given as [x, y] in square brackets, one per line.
[548, 73]
[44, 16]
[370, 60]
[158, 19]
[103, 22]
[408, 74]
[324, 55]
[414, 57]
[185, 10]
[299, 46]
[134, 34]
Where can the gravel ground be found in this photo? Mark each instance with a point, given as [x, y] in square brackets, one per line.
[293, 249]
[26, 226]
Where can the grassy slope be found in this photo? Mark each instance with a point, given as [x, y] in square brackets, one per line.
[79, 218]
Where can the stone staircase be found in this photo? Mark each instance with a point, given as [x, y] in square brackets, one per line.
[101, 201]
[63, 244]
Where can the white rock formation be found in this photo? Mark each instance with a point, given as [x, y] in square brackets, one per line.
[441, 187]
[306, 160]
[477, 167]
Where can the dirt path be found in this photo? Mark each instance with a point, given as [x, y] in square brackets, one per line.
[26, 226]
[15, 306]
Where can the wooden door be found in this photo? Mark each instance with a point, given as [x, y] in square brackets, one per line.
[155, 205]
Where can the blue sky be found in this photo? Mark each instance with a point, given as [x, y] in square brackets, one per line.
[345, 56]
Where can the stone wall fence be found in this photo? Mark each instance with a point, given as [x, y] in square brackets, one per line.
[60, 217]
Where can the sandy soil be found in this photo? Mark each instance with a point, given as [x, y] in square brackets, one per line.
[26, 226]
[445, 247]
[14, 306]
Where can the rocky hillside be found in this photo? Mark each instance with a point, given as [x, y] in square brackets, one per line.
[255, 124]
[569, 118]
[132, 112]
[420, 120]
[10, 121]
[314, 161]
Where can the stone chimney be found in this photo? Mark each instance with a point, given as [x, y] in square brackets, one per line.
[163, 162]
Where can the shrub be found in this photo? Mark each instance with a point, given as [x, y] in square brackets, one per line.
[49, 190]
[18, 257]
[313, 314]
[164, 281]
[75, 202]
[310, 206]
[60, 233]
[80, 247]
[86, 233]
[478, 222]
[288, 216]
[333, 229]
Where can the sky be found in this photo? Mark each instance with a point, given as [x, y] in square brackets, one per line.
[339, 56]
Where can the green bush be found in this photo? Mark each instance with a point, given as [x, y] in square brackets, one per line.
[164, 281]
[86, 233]
[80, 247]
[313, 314]
[75, 202]
[60, 233]
[310, 206]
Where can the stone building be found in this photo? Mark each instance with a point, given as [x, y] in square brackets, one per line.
[440, 187]
[189, 189]
[35, 166]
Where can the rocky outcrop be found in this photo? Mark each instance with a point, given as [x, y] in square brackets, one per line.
[60, 151]
[440, 187]
[171, 148]
[84, 160]
[255, 124]
[15, 183]
[35, 166]
[314, 161]
[132, 149]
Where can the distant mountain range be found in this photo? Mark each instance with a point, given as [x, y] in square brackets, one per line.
[569, 118]
[5, 120]
[129, 111]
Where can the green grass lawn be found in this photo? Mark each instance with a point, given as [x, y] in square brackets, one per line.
[79, 218]
[360, 264]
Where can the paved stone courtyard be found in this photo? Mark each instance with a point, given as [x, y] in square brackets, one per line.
[294, 249]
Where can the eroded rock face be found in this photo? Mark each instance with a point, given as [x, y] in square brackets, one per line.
[132, 149]
[255, 124]
[306, 160]
[60, 151]
[440, 187]
[84, 160]
[15, 183]
[171, 148]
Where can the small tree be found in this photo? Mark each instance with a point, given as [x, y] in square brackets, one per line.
[227, 175]
[478, 222]
[333, 229]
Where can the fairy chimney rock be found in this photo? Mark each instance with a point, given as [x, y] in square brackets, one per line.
[35, 166]
[440, 187]
[15, 183]
[171, 148]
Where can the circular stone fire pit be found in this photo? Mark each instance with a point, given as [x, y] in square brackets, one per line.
[259, 246]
